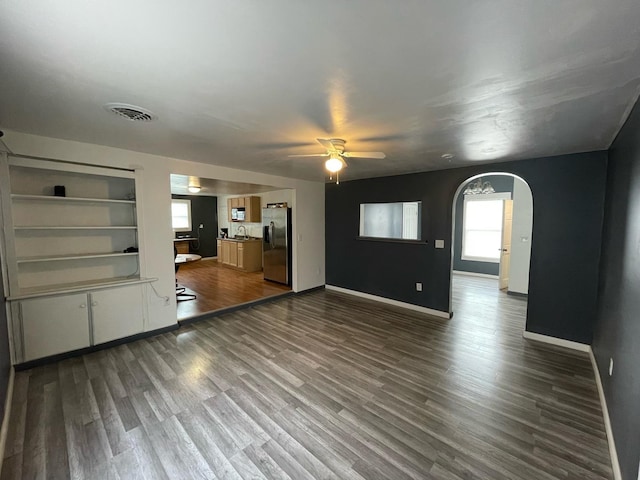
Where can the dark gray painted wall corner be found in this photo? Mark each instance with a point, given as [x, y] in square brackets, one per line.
[204, 210]
[617, 328]
[5, 359]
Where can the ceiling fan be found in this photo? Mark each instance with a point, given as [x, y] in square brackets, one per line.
[337, 155]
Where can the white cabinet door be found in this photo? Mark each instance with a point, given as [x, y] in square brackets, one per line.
[54, 325]
[117, 313]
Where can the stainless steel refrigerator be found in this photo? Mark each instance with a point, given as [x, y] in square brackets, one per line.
[276, 244]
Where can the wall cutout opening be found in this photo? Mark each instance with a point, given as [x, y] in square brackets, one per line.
[397, 221]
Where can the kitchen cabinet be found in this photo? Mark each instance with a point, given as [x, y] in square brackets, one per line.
[245, 255]
[252, 207]
[219, 250]
[233, 254]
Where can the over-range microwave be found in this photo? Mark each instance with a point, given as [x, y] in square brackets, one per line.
[238, 214]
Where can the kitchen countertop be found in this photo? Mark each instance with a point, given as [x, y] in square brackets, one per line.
[250, 239]
[185, 239]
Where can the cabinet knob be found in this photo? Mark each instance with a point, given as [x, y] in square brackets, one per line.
[82, 305]
[94, 303]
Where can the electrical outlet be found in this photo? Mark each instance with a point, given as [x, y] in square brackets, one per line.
[418, 287]
[610, 366]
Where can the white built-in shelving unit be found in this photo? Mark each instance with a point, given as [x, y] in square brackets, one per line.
[65, 252]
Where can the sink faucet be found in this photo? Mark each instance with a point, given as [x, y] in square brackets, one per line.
[244, 229]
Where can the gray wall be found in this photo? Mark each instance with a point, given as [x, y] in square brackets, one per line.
[617, 332]
[501, 183]
[5, 361]
[204, 210]
[568, 196]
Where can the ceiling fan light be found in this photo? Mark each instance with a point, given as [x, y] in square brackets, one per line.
[333, 165]
[194, 188]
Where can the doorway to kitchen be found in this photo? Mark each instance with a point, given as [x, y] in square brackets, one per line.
[219, 244]
[491, 239]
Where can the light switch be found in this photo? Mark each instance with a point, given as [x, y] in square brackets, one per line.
[439, 243]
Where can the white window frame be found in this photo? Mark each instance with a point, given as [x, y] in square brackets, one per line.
[188, 203]
[479, 198]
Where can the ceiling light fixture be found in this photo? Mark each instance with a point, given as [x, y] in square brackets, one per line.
[194, 188]
[478, 187]
[334, 164]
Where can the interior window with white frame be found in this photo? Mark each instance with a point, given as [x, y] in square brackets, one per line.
[482, 227]
[181, 215]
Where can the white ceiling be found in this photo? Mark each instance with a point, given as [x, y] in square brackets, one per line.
[245, 83]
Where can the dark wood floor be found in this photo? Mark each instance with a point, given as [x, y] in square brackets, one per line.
[322, 385]
[217, 287]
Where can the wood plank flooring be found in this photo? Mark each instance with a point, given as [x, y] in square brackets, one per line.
[319, 386]
[217, 287]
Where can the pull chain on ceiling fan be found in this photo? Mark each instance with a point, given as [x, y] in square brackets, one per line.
[337, 155]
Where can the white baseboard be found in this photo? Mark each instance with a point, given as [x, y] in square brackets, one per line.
[613, 453]
[410, 306]
[474, 274]
[582, 347]
[7, 415]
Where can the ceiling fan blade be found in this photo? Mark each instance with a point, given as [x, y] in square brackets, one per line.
[364, 155]
[312, 155]
[326, 143]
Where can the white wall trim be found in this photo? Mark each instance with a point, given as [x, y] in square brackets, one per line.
[474, 274]
[613, 453]
[7, 415]
[409, 306]
[581, 347]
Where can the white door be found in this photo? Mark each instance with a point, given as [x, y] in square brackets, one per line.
[52, 325]
[505, 249]
[117, 313]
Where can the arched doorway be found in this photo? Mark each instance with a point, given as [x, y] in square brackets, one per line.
[491, 238]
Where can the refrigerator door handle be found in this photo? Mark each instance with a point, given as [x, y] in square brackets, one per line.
[266, 234]
[272, 240]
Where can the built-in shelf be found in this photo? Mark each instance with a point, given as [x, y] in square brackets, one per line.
[77, 227]
[50, 258]
[49, 198]
[65, 288]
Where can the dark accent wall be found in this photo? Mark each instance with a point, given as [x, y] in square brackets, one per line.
[204, 210]
[5, 360]
[501, 184]
[617, 332]
[568, 202]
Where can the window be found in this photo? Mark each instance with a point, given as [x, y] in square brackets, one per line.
[181, 215]
[482, 227]
[399, 220]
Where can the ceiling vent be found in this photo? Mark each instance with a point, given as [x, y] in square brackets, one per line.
[130, 112]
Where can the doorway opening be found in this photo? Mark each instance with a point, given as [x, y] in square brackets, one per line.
[491, 246]
[220, 241]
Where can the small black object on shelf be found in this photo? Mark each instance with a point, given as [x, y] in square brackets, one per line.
[60, 191]
[131, 250]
